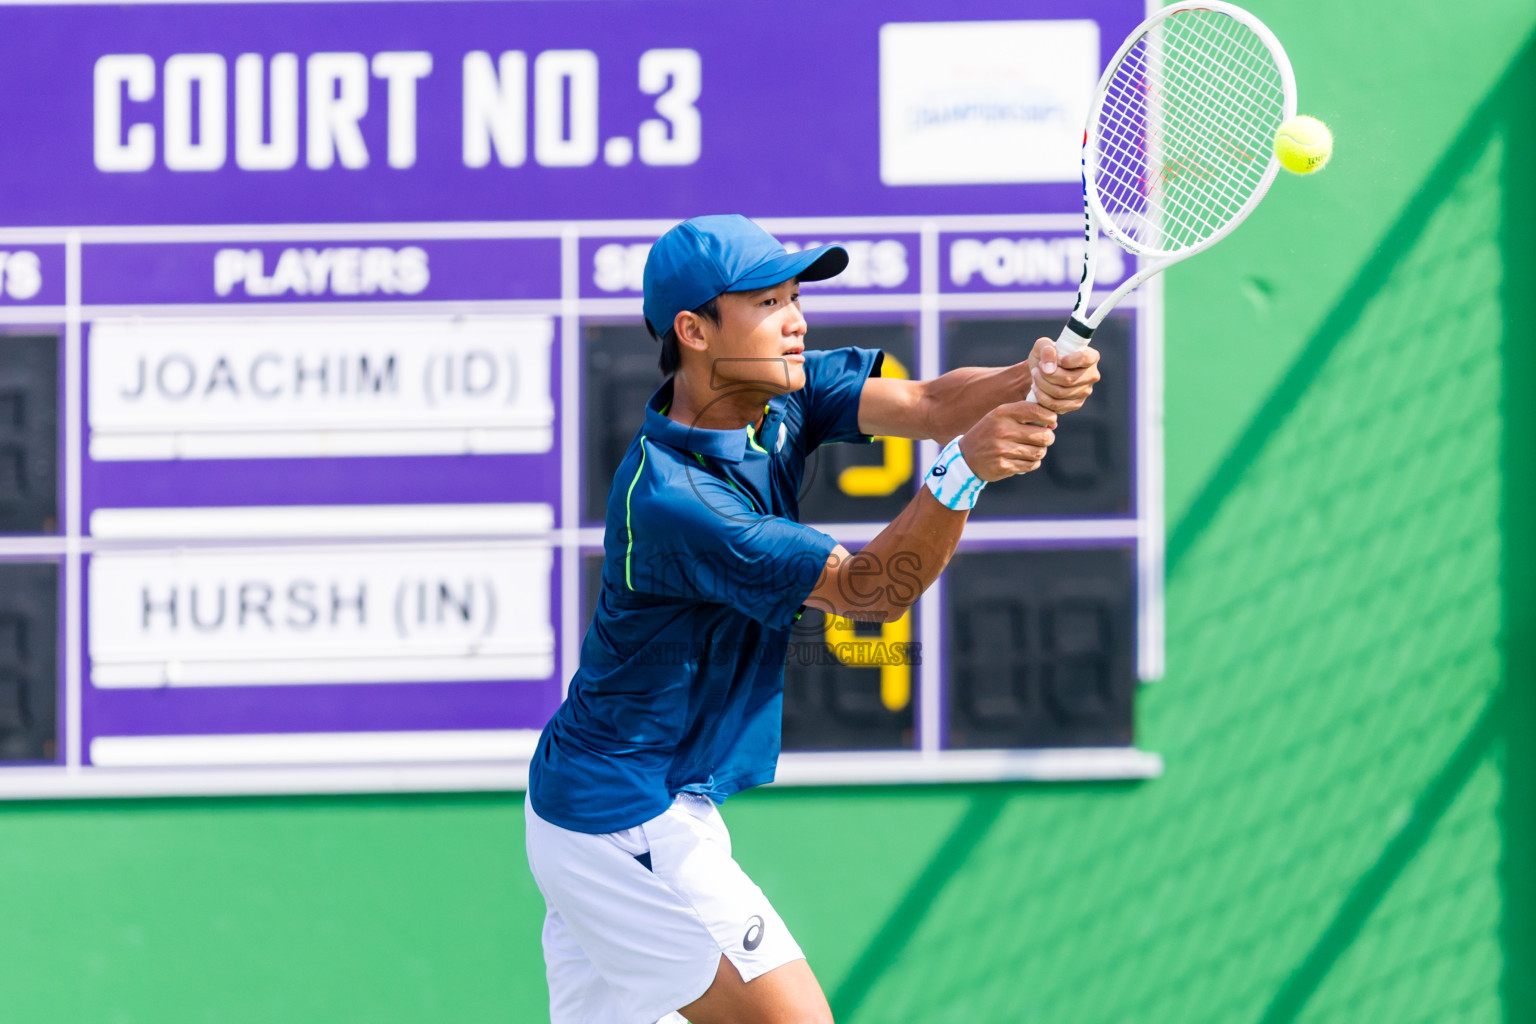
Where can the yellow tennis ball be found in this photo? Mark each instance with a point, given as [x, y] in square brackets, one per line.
[1303, 144]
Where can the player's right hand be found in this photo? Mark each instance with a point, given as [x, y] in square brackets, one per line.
[1009, 440]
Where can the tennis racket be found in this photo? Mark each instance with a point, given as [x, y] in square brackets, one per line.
[1179, 145]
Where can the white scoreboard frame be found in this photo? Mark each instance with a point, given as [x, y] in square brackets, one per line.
[497, 765]
[501, 769]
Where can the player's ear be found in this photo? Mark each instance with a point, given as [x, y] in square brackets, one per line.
[690, 331]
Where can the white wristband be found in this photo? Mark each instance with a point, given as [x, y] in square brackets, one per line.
[952, 481]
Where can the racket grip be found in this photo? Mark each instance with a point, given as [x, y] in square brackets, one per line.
[1074, 337]
[1067, 342]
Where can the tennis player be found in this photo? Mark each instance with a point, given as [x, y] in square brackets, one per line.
[677, 703]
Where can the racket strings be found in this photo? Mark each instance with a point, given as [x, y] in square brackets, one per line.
[1185, 129]
[1248, 63]
[1200, 197]
[1192, 180]
[1192, 191]
[1218, 118]
[1211, 194]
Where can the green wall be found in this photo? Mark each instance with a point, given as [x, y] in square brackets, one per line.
[1345, 829]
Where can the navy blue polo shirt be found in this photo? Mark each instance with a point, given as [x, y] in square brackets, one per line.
[705, 570]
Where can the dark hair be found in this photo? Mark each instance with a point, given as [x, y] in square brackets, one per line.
[670, 358]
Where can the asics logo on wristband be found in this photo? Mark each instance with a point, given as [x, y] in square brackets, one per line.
[956, 490]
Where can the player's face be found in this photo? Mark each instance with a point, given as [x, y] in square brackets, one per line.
[761, 339]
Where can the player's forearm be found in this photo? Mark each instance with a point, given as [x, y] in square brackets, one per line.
[952, 403]
[887, 576]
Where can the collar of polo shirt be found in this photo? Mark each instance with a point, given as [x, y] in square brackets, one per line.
[725, 445]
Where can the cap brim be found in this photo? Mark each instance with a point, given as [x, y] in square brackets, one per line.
[809, 265]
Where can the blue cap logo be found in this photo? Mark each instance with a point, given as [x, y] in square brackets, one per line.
[705, 256]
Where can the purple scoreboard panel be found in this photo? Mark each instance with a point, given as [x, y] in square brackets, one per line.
[320, 341]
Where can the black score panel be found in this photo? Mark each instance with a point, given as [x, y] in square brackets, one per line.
[851, 685]
[1041, 648]
[843, 482]
[862, 483]
[1089, 469]
[29, 615]
[29, 434]
[621, 375]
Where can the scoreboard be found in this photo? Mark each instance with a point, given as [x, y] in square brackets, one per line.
[320, 341]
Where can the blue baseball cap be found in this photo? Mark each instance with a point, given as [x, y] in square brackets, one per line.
[703, 257]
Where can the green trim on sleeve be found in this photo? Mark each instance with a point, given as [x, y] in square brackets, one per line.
[629, 529]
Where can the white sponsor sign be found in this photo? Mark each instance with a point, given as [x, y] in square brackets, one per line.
[365, 614]
[166, 388]
[985, 102]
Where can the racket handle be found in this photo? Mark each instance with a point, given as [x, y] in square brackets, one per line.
[1074, 337]
[1068, 341]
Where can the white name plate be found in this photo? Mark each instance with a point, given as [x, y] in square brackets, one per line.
[314, 748]
[303, 387]
[329, 522]
[294, 615]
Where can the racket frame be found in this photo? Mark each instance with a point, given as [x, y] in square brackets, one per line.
[1150, 262]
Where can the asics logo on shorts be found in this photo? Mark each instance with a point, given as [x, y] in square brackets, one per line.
[754, 936]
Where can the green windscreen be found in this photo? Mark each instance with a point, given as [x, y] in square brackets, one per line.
[1325, 845]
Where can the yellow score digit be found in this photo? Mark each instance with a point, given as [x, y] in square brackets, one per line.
[895, 469]
[888, 652]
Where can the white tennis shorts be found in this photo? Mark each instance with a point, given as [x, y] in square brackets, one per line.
[629, 944]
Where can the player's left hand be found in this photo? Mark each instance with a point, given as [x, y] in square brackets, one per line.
[1062, 385]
